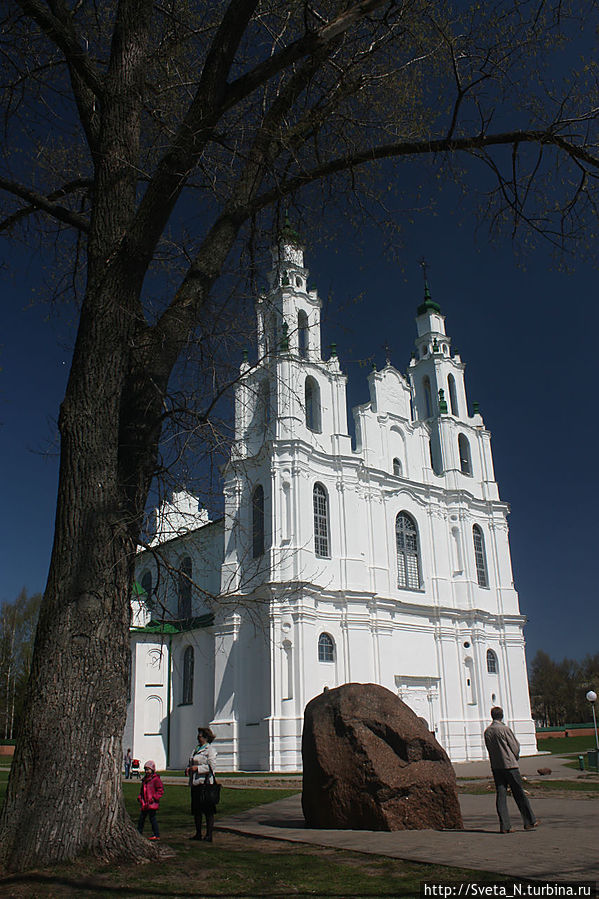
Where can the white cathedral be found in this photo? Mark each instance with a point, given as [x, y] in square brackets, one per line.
[383, 562]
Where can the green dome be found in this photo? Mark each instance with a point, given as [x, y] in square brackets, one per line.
[429, 305]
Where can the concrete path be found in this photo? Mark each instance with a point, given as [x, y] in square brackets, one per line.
[564, 847]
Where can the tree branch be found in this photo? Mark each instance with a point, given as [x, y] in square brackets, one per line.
[64, 191]
[178, 319]
[206, 109]
[40, 203]
[423, 148]
[260, 74]
[57, 25]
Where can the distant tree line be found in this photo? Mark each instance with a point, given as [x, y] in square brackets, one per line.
[558, 689]
[18, 621]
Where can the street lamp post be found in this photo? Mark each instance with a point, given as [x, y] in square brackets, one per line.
[592, 698]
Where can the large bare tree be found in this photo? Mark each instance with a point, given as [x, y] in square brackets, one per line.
[141, 133]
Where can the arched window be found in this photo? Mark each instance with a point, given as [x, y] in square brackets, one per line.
[302, 333]
[187, 686]
[258, 522]
[321, 522]
[408, 556]
[428, 399]
[464, 451]
[453, 397]
[312, 396]
[271, 332]
[397, 467]
[480, 556]
[492, 667]
[326, 648]
[263, 403]
[146, 586]
[184, 591]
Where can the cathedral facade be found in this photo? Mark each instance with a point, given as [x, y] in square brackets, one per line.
[382, 560]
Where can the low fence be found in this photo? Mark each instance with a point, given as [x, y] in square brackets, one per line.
[569, 730]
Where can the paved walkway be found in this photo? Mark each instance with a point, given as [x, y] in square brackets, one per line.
[564, 847]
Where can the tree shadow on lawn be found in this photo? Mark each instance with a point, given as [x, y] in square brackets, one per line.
[239, 867]
[235, 865]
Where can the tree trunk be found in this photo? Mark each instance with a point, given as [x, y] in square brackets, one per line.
[64, 794]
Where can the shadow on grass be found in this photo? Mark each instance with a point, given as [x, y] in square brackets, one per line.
[38, 882]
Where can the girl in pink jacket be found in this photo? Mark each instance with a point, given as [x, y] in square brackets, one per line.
[149, 798]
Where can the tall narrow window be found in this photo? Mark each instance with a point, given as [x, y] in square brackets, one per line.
[397, 467]
[258, 522]
[465, 457]
[321, 522]
[187, 690]
[271, 332]
[184, 591]
[146, 586]
[326, 648]
[428, 399]
[492, 667]
[453, 397]
[408, 556]
[287, 670]
[480, 556]
[263, 403]
[302, 333]
[312, 398]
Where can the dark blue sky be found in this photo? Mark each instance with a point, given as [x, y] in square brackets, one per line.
[526, 335]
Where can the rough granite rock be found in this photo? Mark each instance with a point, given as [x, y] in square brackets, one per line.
[369, 763]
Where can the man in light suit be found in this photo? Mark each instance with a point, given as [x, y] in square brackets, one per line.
[504, 752]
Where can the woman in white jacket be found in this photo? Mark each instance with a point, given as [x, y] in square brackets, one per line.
[201, 771]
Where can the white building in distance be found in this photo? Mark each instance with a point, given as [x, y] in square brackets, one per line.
[384, 562]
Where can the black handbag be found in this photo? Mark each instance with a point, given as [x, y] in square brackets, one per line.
[211, 791]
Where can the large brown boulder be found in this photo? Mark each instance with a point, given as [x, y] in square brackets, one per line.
[371, 764]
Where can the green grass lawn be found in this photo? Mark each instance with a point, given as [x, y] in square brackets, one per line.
[234, 865]
[565, 745]
[486, 787]
[174, 815]
[584, 786]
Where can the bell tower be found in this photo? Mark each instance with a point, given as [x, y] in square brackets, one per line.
[288, 314]
[459, 444]
[437, 375]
